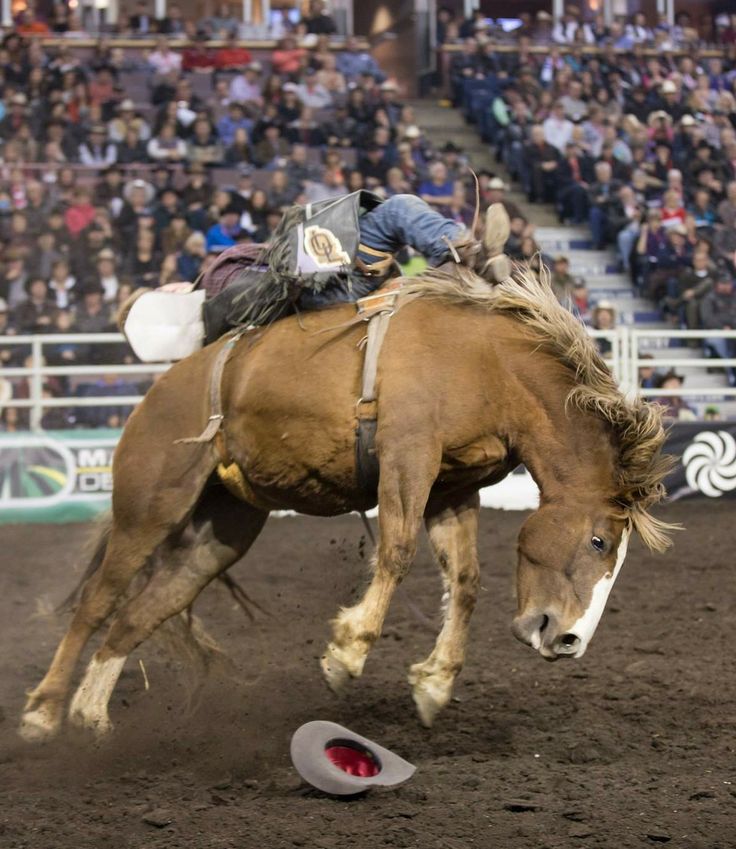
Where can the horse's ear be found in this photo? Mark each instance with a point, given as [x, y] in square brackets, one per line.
[495, 235]
[496, 230]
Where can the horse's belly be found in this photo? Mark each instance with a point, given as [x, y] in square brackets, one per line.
[302, 469]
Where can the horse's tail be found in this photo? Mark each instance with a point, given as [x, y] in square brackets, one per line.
[95, 552]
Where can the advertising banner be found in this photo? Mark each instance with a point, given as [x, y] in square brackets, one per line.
[706, 453]
[58, 476]
[66, 476]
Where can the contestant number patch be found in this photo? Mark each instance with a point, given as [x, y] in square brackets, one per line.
[324, 248]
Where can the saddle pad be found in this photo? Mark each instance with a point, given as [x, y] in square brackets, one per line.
[165, 326]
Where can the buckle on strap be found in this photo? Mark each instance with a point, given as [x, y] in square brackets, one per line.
[382, 263]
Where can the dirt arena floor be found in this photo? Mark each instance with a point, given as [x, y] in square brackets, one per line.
[631, 746]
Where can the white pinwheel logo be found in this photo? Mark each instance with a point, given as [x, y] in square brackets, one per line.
[710, 463]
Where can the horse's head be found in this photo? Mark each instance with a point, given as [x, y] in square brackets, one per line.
[569, 558]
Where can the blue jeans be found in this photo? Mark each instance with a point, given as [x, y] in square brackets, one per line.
[626, 240]
[408, 220]
[597, 220]
[726, 350]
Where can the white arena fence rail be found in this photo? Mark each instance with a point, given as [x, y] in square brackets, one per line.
[640, 341]
[37, 371]
[625, 359]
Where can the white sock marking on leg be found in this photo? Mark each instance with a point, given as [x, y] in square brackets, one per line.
[93, 694]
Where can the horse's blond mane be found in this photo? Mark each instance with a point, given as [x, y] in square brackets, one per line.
[636, 425]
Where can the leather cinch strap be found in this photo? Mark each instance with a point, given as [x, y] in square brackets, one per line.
[214, 423]
[367, 469]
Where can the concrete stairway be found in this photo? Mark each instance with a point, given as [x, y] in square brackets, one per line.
[599, 269]
[443, 123]
[605, 282]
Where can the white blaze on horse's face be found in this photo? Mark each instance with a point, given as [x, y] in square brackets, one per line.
[585, 627]
[568, 563]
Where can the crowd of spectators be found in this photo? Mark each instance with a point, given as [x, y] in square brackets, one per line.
[122, 169]
[636, 139]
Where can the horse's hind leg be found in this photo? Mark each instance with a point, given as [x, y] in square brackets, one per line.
[453, 532]
[220, 531]
[125, 555]
[150, 501]
[404, 486]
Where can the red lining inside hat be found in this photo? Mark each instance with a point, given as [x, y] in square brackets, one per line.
[352, 758]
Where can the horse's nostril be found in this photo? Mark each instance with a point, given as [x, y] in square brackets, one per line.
[569, 640]
[544, 623]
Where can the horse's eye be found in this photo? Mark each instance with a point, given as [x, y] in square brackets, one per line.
[598, 544]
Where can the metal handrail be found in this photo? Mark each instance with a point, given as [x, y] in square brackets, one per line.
[38, 370]
[625, 361]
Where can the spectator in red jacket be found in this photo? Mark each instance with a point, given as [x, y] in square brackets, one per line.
[288, 59]
[232, 55]
[81, 213]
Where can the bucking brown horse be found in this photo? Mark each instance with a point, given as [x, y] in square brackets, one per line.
[473, 379]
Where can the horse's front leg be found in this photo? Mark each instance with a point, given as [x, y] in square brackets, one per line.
[453, 532]
[402, 495]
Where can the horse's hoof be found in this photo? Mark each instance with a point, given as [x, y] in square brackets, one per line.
[335, 672]
[38, 726]
[99, 726]
[430, 696]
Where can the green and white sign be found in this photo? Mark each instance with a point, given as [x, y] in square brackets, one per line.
[57, 476]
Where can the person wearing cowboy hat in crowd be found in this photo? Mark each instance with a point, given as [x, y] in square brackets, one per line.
[97, 151]
[649, 377]
[127, 117]
[455, 163]
[373, 165]
[542, 29]
[674, 405]
[660, 127]
[496, 193]
[563, 283]
[225, 233]
[272, 146]
[389, 100]
[106, 273]
[139, 196]
[131, 149]
[109, 190]
[676, 253]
